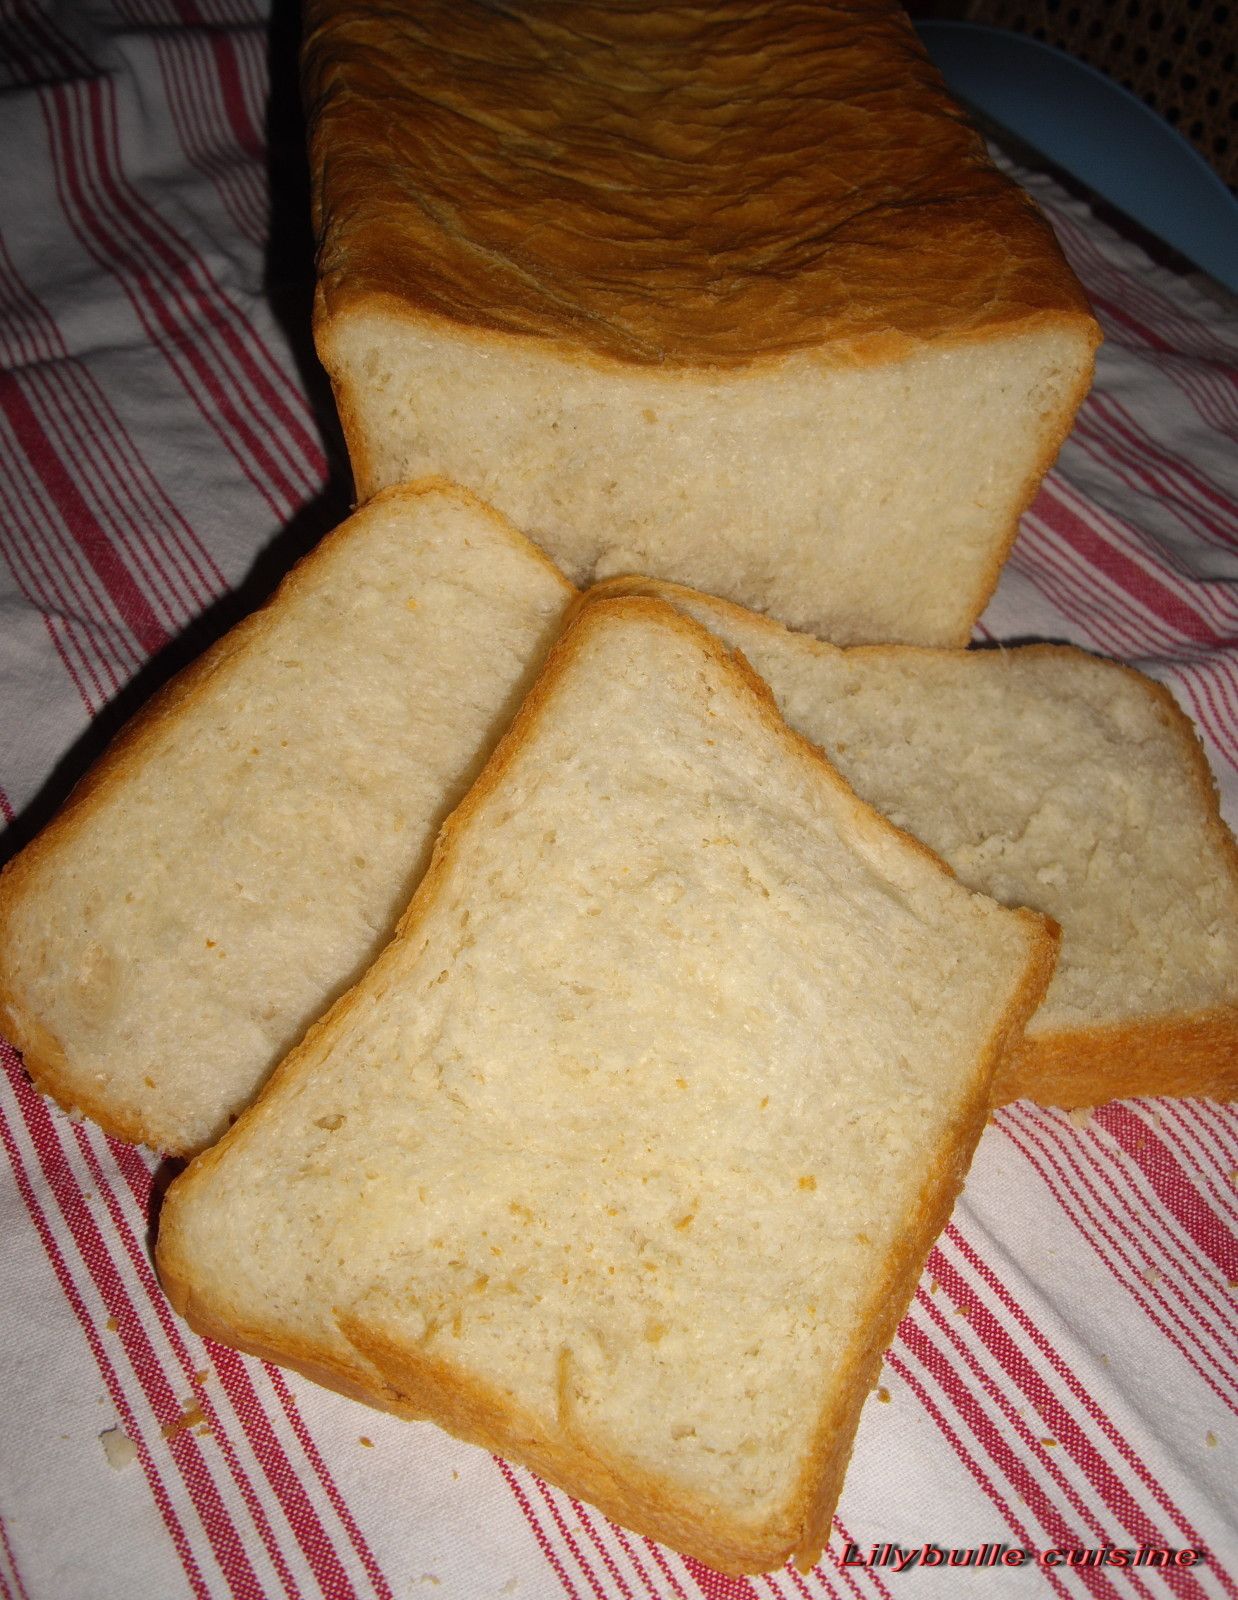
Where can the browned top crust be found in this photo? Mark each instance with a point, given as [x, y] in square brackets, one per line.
[704, 183]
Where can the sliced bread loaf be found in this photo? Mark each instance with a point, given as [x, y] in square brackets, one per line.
[242, 852]
[624, 1156]
[726, 294]
[1051, 779]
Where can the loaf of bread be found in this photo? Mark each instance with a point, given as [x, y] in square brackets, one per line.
[624, 1156]
[724, 294]
[1051, 779]
[243, 850]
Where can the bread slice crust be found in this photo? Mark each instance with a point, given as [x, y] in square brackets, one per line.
[28, 1019]
[458, 174]
[386, 1368]
[1192, 1052]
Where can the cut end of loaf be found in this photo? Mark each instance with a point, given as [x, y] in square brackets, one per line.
[857, 502]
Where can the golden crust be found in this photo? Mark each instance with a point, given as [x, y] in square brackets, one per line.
[43, 1054]
[397, 1376]
[1185, 1056]
[698, 185]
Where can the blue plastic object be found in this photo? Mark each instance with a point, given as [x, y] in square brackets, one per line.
[1098, 132]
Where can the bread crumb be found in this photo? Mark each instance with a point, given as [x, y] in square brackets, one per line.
[1080, 1116]
[368, 1443]
[883, 1394]
[962, 1311]
[1049, 1444]
[934, 1286]
[430, 1577]
[77, 1114]
[808, 1181]
[111, 1324]
[200, 1377]
[189, 1418]
[118, 1447]
[331, 1123]
[1210, 1439]
[1150, 1275]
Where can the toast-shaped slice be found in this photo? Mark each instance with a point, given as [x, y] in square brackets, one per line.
[1046, 778]
[242, 851]
[624, 1156]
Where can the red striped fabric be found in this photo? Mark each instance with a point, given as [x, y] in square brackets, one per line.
[1067, 1377]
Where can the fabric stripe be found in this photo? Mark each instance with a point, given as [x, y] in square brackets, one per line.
[235, 1385]
[183, 348]
[97, 655]
[319, 1469]
[1173, 483]
[178, 558]
[1113, 1238]
[1111, 1483]
[897, 1359]
[1179, 1197]
[280, 1471]
[183, 314]
[166, 1405]
[966, 1403]
[26, 1188]
[539, 1533]
[12, 1575]
[64, 493]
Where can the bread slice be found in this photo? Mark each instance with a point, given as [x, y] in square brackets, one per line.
[624, 1156]
[243, 850]
[724, 294]
[1051, 779]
